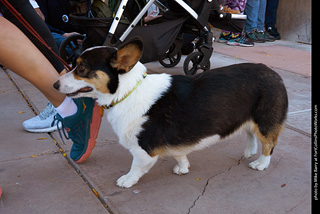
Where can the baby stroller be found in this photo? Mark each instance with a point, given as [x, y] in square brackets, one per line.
[226, 21]
[163, 39]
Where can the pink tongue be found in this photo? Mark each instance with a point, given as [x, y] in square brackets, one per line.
[86, 89]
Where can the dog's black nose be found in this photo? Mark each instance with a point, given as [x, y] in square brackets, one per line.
[56, 85]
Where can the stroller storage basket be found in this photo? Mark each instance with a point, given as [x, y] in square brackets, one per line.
[163, 38]
[159, 36]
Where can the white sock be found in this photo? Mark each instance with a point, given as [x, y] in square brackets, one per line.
[67, 108]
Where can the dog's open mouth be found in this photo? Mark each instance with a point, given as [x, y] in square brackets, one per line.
[82, 90]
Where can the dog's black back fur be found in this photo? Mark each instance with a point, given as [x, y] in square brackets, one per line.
[219, 101]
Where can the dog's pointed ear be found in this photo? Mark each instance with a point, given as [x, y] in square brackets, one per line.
[128, 55]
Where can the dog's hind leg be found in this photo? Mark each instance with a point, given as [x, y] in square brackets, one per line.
[183, 165]
[268, 143]
[141, 164]
[251, 147]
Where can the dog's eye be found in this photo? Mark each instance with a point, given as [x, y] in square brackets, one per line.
[81, 68]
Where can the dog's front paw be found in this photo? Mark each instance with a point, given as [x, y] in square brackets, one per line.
[260, 164]
[126, 181]
[180, 170]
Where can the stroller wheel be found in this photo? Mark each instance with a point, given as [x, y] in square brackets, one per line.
[169, 61]
[193, 62]
[70, 50]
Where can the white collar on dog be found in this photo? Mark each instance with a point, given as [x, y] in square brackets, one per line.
[126, 95]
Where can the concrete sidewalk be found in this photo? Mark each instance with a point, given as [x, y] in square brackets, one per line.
[37, 178]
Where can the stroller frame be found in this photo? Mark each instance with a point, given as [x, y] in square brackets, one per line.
[198, 60]
[121, 9]
[194, 21]
[187, 22]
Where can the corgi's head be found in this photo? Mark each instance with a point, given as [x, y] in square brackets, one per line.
[98, 70]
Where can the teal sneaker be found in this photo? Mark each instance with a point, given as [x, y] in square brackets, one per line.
[224, 37]
[82, 128]
[233, 41]
[243, 41]
[256, 36]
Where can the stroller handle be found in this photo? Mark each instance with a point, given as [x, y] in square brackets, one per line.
[161, 6]
[232, 16]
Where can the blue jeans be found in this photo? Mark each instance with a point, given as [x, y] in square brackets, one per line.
[255, 11]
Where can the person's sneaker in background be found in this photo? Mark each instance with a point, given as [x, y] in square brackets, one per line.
[233, 41]
[273, 32]
[243, 41]
[268, 37]
[224, 37]
[256, 36]
[42, 122]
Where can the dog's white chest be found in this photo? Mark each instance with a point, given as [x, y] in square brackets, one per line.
[127, 117]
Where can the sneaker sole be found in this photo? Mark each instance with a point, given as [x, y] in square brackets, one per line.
[244, 45]
[222, 41]
[258, 41]
[44, 130]
[232, 43]
[94, 131]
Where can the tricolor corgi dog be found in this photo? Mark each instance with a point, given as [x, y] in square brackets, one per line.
[172, 115]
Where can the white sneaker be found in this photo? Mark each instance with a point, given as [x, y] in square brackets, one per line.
[42, 122]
